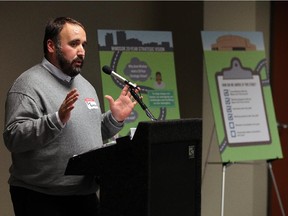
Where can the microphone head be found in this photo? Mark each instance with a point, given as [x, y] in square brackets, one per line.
[106, 69]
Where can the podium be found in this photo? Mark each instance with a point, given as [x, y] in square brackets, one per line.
[157, 173]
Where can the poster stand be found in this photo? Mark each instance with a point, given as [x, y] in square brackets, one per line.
[241, 97]
[224, 168]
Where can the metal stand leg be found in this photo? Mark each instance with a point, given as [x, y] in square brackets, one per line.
[276, 188]
[223, 188]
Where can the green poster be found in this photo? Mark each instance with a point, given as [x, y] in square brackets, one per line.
[241, 96]
[145, 58]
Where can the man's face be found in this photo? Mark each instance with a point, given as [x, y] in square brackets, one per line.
[70, 51]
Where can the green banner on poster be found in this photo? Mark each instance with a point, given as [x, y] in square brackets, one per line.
[241, 96]
[147, 59]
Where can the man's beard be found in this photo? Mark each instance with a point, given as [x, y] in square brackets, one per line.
[66, 66]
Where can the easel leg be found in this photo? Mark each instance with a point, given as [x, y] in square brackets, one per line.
[208, 154]
[276, 188]
[223, 188]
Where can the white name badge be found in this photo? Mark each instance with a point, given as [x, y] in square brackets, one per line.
[91, 104]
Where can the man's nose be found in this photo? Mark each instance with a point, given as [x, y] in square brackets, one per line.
[81, 51]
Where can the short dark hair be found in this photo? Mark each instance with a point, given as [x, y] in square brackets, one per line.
[53, 29]
[158, 73]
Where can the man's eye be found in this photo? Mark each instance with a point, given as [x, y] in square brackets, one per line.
[73, 44]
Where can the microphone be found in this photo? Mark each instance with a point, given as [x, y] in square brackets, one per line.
[106, 69]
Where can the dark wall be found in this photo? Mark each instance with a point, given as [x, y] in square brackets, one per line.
[279, 80]
[22, 33]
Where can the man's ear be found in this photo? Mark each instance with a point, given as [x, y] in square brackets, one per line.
[51, 47]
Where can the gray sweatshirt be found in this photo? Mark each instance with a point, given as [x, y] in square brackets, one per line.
[40, 147]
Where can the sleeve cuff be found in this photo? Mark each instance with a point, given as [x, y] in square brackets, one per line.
[115, 122]
[59, 121]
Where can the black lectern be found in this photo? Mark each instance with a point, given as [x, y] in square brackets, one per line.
[157, 173]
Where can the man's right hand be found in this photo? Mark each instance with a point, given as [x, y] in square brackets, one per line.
[68, 105]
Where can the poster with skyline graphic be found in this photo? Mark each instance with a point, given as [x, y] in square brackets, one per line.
[145, 58]
[241, 98]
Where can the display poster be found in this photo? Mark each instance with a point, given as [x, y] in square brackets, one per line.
[242, 103]
[145, 58]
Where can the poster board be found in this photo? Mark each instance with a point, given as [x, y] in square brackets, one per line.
[241, 97]
[147, 59]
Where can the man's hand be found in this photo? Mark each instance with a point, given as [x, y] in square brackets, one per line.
[68, 105]
[123, 106]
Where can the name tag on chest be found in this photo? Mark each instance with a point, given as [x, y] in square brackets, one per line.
[91, 104]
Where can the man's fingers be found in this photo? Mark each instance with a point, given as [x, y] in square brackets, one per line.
[73, 93]
[71, 97]
[68, 105]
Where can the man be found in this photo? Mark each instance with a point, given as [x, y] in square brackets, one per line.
[53, 113]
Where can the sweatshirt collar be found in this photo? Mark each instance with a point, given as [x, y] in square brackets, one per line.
[56, 71]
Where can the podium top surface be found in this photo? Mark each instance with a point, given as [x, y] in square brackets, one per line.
[169, 130]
